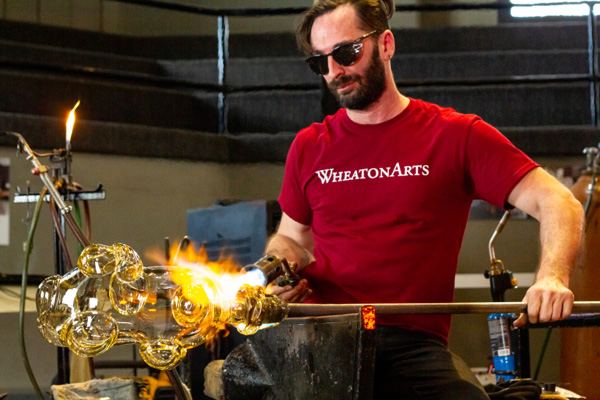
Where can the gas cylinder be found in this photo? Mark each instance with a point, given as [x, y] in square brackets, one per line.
[580, 347]
[503, 357]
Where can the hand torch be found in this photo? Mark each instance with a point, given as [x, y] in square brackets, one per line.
[271, 267]
[499, 324]
[500, 278]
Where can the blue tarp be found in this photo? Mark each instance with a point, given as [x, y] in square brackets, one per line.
[239, 229]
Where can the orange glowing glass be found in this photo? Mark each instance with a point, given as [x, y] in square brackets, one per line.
[368, 317]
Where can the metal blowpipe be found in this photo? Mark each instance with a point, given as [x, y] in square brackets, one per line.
[305, 310]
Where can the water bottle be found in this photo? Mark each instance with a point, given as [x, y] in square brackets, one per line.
[504, 358]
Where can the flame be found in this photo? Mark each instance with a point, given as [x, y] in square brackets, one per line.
[71, 122]
[202, 279]
[206, 287]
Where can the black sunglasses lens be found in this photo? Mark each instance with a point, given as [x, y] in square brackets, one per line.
[347, 54]
[318, 64]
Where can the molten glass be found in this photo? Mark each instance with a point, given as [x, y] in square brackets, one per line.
[111, 298]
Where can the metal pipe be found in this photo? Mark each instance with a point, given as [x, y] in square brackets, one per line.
[306, 310]
[180, 391]
[498, 230]
[42, 171]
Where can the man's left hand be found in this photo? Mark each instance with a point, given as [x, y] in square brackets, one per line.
[291, 294]
[547, 300]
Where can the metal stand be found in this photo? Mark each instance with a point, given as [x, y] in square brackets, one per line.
[61, 172]
[60, 265]
[520, 338]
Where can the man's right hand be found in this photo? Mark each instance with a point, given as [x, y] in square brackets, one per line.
[294, 242]
[291, 294]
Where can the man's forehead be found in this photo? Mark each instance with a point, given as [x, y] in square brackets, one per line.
[334, 28]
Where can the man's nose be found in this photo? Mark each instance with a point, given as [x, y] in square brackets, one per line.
[335, 69]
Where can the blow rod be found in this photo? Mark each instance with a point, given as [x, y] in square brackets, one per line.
[306, 310]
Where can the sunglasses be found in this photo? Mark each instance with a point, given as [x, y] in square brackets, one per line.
[344, 54]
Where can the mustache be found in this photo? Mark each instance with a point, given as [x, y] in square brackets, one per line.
[344, 80]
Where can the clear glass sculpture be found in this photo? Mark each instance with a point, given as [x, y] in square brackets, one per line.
[111, 298]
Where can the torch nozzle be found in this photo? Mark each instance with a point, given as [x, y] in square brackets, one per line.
[271, 267]
[500, 278]
[493, 262]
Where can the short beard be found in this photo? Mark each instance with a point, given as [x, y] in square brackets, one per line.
[370, 86]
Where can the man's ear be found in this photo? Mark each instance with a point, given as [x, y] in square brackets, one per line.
[388, 44]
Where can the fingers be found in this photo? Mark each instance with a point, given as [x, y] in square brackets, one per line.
[546, 303]
[533, 307]
[557, 308]
[302, 297]
[295, 267]
[521, 321]
[549, 306]
[274, 289]
[568, 306]
[296, 294]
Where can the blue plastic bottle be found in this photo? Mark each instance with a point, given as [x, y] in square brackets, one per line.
[504, 358]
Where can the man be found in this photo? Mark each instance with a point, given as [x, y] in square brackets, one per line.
[375, 201]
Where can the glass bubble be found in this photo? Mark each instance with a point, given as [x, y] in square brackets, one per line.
[186, 312]
[97, 260]
[162, 354]
[128, 298]
[272, 311]
[55, 300]
[91, 333]
[45, 293]
[253, 310]
[51, 328]
[129, 266]
[242, 310]
[193, 337]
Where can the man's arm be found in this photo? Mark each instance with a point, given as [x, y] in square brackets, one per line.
[561, 229]
[294, 242]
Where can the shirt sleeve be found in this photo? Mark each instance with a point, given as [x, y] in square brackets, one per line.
[493, 164]
[292, 198]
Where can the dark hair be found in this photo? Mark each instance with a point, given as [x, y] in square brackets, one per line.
[373, 15]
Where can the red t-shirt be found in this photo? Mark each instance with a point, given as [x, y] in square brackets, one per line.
[388, 203]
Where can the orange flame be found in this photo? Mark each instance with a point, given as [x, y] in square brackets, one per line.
[71, 122]
[204, 284]
[204, 280]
